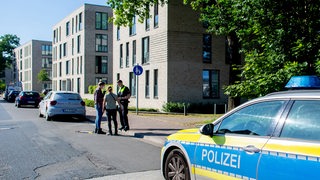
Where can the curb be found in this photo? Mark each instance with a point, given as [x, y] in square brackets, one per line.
[139, 135]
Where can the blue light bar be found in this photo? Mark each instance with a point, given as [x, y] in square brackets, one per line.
[303, 82]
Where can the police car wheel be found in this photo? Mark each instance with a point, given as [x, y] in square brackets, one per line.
[176, 167]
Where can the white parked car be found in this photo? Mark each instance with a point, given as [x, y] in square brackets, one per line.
[60, 103]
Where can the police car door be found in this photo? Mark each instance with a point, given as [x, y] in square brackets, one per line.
[294, 153]
[234, 150]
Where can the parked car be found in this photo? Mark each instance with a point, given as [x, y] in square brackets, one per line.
[28, 98]
[58, 103]
[12, 96]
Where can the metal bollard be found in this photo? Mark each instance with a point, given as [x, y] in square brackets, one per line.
[184, 109]
[215, 109]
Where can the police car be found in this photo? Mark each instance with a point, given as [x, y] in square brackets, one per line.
[272, 137]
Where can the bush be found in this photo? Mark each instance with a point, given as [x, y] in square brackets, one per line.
[201, 108]
[143, 109]
[173, 107]
[89, 103]
[92, 88]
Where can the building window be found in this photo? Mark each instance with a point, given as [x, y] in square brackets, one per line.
[134, 52]
[64, 49]
[127, 54]
[206, 51]
[132, 84]
[60, 51]
[78, 65]
[80, 22]
[147, 21]
[210, 83]
[72, 28]
[68, 28]
[118, 33]
[118, 78]
[101, 79]
[72, 66]
[72, 46]
[78, 43]
[67, 67]
[132, 28]
[78, 85]
[101, 21]
[60, 69]
[46, 62]
[20, 53]
[54, 36]
[46, 50]
[81, 64]
[145, 50]
[156, 15]
[121, 56]
[101, 43]
[101, 65]
[147, 90]
[155, 83]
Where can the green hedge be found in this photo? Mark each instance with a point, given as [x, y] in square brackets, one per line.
[202, 108]
[92, 88]
[89, 103]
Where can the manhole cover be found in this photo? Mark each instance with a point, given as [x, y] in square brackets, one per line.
[85, 132]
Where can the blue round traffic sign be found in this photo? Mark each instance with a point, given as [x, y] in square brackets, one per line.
[137, 70]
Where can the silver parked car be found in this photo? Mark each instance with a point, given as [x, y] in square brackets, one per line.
[58, 103]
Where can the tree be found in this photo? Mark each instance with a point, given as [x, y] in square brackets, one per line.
[43, 76]
[277, 39]
[8, 43]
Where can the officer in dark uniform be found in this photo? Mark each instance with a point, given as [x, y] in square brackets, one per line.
[124, 95]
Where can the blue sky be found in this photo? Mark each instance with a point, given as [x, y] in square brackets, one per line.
[33, 19]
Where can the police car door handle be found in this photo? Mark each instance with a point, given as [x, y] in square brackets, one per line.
[251, 149]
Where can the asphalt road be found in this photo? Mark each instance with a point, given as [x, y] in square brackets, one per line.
[32, 148]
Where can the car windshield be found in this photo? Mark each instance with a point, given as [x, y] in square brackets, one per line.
[67, 96]
[31, 94]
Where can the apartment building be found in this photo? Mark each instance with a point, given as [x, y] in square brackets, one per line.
[82, 49]
[31, 58]
[181, 62]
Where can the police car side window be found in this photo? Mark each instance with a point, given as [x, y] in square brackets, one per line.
[303, 121]
[256, 119]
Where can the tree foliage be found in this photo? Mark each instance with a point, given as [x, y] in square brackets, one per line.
[277, 39]
[8, 43]
[43, 75]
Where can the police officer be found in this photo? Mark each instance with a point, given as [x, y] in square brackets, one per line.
[124, 95]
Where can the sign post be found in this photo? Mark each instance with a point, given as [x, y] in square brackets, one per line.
[137, 70]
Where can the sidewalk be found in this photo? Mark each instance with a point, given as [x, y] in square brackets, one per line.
[152, 127]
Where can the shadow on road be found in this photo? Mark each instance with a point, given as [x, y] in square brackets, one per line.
[69, 119]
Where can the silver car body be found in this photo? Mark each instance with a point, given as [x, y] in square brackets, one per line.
[62, 103]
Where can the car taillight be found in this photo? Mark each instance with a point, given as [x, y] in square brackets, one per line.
[22, 97]
[52, 103]
[83, 103]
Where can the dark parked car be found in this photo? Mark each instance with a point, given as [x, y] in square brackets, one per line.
[28, 98]
[12, 96]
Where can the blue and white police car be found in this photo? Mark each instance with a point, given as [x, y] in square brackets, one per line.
[269, 138]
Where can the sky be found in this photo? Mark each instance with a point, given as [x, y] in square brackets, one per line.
[34, 19]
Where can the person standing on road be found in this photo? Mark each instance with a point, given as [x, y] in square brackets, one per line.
[98, 104]
[124, 95]
[110, 105]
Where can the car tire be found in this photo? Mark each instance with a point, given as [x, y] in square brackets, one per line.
[40, 115]
[18, 105]
[176, 166]
[48, 118]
